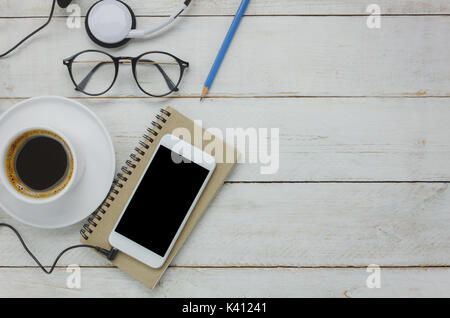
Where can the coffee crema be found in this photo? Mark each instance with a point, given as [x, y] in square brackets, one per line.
[39, 163]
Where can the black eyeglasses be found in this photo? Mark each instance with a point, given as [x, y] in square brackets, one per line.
[156, 73]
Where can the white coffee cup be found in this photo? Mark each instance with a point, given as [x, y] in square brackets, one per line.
[18, 188]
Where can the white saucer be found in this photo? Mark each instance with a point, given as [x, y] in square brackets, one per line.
[94, 145]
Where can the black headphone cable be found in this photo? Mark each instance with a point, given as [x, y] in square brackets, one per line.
[110, 254]
[32, 33]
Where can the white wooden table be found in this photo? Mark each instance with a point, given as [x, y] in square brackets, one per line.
[364, 120]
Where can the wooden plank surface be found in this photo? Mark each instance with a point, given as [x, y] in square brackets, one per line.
[364, 146]
[321, 224]
[228, 7]
[270, 282]
[325, 56]
[370, 139]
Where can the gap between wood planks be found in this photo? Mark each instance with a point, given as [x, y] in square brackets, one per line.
[253, 15]
[251, 267]
[248, 97]
[335, 181]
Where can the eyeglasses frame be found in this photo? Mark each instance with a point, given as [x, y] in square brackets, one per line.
[117, 60]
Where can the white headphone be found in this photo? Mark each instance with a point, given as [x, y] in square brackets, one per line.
[112, 23]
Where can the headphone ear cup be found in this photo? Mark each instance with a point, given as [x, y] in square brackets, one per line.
[64, 3]
[95, 28]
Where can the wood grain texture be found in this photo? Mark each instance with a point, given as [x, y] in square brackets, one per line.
[324, 56]
[228, 7]
[291, 225]
[188, 282]
[370, 139]
[284, 237]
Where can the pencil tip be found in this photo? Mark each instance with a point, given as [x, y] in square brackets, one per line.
[204, 92]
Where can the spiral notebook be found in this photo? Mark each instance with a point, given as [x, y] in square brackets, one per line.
[100, 224]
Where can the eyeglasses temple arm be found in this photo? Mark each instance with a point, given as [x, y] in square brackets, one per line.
[169, 82]
[83, 83]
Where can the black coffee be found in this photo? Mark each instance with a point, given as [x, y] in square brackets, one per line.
[41, 163]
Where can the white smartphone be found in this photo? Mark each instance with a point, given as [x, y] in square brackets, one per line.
[162, 201]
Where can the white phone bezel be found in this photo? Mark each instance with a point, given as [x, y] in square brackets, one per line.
[138, 251]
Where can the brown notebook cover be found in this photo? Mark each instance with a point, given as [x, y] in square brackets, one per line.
[100, 224]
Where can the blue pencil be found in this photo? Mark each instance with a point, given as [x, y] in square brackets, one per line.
[224, 48]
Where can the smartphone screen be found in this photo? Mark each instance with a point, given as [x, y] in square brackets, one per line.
[161, 201]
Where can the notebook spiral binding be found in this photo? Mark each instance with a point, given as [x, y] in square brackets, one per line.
[126, 170]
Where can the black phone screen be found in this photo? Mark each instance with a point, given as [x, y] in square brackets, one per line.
[161, 201]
